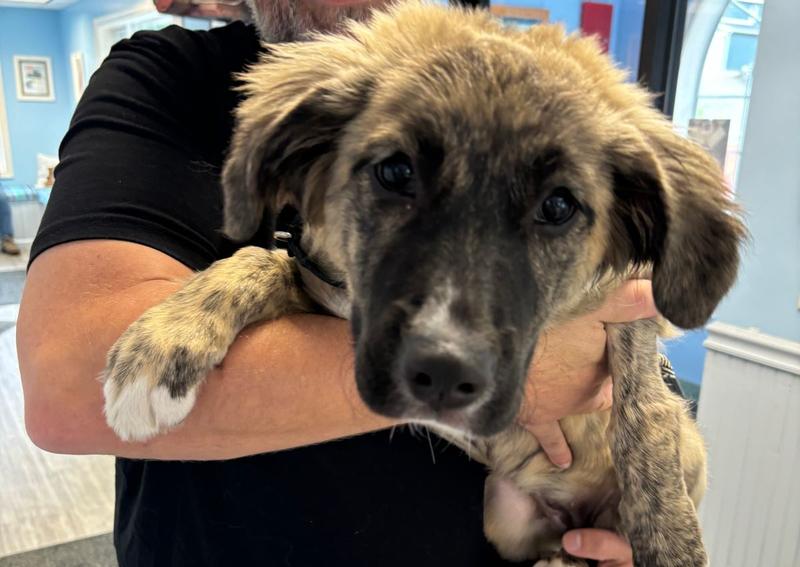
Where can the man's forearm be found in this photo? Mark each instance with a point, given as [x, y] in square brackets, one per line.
[284, 384]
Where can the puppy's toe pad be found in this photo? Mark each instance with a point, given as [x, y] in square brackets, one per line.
[136, 411]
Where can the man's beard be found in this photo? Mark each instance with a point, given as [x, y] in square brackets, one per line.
[288, 20]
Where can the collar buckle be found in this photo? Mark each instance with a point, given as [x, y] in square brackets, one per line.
[291, 241]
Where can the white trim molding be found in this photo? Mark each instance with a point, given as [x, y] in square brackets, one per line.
[755, 346]
[6, 163]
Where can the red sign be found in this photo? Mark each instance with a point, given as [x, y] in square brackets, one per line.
[596, 20]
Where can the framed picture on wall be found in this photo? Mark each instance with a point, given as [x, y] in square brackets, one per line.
[34, 78]
[520, 17]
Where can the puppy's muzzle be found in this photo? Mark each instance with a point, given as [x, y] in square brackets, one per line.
[443, 380]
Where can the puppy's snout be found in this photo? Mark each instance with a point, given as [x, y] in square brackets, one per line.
[442, 380]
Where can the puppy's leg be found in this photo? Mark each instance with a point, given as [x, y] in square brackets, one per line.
[522, 525]
[656, 512]
[154, 369]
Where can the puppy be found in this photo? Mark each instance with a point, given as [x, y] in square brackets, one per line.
[472, 186]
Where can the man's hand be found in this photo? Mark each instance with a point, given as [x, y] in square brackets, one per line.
[569, 373]
[610, 549]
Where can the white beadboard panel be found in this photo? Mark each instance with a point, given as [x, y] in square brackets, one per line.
[749, 413]
[25, 218]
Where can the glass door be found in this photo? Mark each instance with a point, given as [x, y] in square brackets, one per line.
[713, 89]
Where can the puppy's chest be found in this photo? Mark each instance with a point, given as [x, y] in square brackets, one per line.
[574, 497]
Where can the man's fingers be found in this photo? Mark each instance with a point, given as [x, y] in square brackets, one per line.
[600, 545]
[553, 443]
[632, 301]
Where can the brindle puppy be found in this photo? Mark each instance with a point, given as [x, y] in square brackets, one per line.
[473, 185]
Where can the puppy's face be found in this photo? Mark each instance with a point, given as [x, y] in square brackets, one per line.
[468, 216]
[470, 191]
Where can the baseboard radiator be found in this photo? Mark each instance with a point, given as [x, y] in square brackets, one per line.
[749, 412]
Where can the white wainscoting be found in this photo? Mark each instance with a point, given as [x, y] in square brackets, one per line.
[749, 412]
[25, 217]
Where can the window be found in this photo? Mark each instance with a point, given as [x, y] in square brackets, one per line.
[743, 13]
[111, 29]
[6, 169]
[716, 76]
[741, 52]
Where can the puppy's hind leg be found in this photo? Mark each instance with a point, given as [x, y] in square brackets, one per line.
[656, 512]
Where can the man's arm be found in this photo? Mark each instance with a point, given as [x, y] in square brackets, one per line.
[283, 384]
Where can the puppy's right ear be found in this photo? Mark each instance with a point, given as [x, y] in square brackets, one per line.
[276, 141]
[673, 209]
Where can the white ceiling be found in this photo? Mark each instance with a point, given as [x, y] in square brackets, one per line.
[43, 4]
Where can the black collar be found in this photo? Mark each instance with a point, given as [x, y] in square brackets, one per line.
[291, 241]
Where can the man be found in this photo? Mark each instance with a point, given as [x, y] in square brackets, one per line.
[279, 463]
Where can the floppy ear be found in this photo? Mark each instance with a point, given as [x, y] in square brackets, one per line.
[672, 208]
[274, 145]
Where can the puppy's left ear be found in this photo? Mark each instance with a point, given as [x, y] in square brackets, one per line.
[277, 139]
[673, 209]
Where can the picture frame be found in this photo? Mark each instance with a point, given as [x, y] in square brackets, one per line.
[34, 78]
[519, 17]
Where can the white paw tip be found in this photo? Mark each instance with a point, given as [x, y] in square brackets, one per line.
[137, 412]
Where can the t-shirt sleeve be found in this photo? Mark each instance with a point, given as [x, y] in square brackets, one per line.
[141, 159]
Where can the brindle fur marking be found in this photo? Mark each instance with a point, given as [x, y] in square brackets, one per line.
[647, 415]
[174, 345]
[493, 119]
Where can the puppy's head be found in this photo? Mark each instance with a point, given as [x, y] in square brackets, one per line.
[471, 182]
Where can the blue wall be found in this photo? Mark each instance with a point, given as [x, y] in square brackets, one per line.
[687, 355]
[34, 127]
[626, 24]
[37, 127]
[626, 36]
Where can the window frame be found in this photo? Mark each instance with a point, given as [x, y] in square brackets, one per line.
[105, 24]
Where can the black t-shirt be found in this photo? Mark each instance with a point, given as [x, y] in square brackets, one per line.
[141, 163]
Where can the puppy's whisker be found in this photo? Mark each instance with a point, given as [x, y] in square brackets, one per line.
[430, 445]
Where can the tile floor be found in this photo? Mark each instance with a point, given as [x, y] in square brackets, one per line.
[45, 499]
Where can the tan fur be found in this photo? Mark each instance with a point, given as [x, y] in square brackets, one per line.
[659, 205]
[173, 345]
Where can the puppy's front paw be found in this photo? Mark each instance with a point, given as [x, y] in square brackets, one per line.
[154, 370]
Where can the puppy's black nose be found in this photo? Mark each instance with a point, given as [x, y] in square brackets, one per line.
[442, 380]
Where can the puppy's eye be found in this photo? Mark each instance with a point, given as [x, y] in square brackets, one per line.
[558, 208]
[395, 174]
